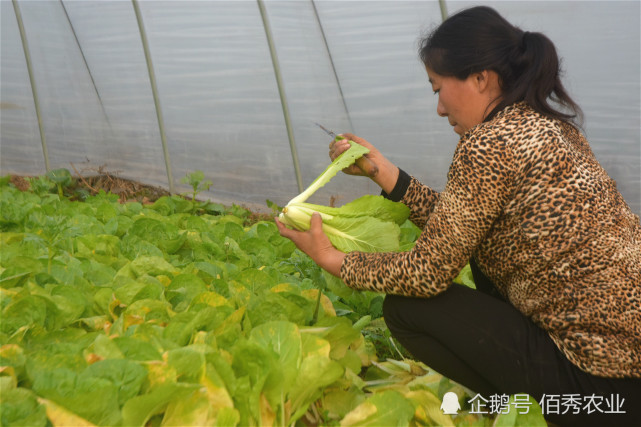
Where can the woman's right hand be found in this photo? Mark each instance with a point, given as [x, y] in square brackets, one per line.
[373, 164]
[364, 166]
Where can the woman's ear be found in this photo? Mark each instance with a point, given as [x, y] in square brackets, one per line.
[487, 81]
[481, 79]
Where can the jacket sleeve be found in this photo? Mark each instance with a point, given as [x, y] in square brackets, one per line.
[461, 216]
[418, 197]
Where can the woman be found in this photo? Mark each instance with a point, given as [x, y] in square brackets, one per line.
[555, 251]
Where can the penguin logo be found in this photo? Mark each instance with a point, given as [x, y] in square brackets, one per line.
[450, 405]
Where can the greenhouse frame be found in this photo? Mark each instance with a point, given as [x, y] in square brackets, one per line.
[147, 145]
[153, 90]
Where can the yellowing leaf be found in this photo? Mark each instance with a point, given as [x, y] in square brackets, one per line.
[285, 287]
[233, 319]
[210, 298]
[61, 417]
[190, 410]
[96, 323]
[429, 408]
[7, 373]
[138, 410]
[13, 353]
[164, 279]
[160, 372]
[313, 344]
[365, 351]
[382, 409]
[326, 303]
[267, 415]
[340, 402]
[132, 319]
[115, 303]
[92, 358]
[216, 391]
[362, 412]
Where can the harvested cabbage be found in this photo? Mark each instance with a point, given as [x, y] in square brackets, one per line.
[369, 223]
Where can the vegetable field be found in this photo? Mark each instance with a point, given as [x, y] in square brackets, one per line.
[182, 312]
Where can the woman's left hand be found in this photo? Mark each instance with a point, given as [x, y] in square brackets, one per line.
[316, 244]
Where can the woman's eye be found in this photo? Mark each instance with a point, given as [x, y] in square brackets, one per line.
[436, 91]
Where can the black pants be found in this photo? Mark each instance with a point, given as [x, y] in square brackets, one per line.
[482, 342]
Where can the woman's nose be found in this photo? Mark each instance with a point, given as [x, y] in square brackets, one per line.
[440, 109]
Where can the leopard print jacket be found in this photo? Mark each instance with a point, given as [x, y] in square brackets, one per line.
[527, 199]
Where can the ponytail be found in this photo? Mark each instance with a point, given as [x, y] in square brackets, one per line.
[527, 64]
[536, 78]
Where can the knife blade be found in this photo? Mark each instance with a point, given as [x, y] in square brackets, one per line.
[327, 131]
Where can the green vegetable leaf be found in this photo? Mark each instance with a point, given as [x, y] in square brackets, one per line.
[60, 176]
[137, 411]
[315, 373]
[389, 408]
[465, 277]
[284, 339]
[19, 407]
[126, 375]
[148, 315]
[368, 224]
[376, 206]
[341, 162]
[92, 398]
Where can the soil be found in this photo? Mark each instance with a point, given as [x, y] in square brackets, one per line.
[126, 189]
[20, 182]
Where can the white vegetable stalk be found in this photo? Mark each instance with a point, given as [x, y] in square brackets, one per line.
[292, 214]
[300, 217]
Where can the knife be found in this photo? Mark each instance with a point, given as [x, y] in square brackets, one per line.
[329, 132]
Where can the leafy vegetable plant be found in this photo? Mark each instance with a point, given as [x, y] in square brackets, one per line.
[198, 184]
[40, 185]
[61, 177]
[125, 314]
[368, 224]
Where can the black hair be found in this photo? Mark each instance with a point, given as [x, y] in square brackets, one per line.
[479, 38]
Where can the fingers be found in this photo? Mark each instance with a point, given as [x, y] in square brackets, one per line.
[283, 230]
[316, 223]
[315, 244]
[336, 148]
[367, 166]
[312, 242]
[357, 139]
[315, 227]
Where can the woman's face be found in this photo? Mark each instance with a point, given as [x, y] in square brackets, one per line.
[465, 103]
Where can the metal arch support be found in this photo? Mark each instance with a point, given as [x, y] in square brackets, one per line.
[443, 6]
[154, 90]
[281, 92]
[331, 60]
[84, 60]
[32, 81]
